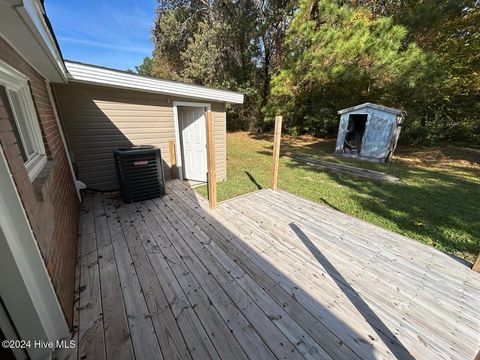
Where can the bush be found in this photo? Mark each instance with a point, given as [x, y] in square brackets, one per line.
[414, 132]
[417, 131]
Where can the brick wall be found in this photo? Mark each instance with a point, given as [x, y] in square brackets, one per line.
[50, 201]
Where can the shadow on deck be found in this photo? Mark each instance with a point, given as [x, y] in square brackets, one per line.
[267, 275]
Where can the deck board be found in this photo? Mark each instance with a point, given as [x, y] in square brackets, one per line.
[91, 340]
[395, 280]
[266, 275]
[281, 317]
[117, 339]
[254, 313]
[324, 290]
[142, 332]
[230, 309]
[172, 343]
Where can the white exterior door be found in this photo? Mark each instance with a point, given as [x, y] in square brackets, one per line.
[194, 142]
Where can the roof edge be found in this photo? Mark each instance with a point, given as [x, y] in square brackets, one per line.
[99, 75]
[24, 25]
[372, 105]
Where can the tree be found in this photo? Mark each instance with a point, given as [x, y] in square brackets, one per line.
[202, 59]
[450, 29]
[307, 59]
[173, 29]
[145, 68]
[233, 45]
[448, 107]
[275, 18]
[341, 55]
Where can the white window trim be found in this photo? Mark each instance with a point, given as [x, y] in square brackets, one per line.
[16, 81]
[27, 292]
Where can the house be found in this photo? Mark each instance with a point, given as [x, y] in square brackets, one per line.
[40, 158]
[103, 109]
[39, 204]
[266, 275]
[369, 131]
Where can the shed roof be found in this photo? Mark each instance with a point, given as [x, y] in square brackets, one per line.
[93, 74]
[374, 106]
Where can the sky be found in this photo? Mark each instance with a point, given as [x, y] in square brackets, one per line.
[110, 33]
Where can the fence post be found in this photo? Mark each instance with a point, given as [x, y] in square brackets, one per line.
[276, 150]
[212, 172]
[476, 265]
[173, 159]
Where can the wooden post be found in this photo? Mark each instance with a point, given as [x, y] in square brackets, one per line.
[276, 150]
[212, 172]
[173, 159]
[476, 266]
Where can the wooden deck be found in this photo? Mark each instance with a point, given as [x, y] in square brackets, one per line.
[267, 275]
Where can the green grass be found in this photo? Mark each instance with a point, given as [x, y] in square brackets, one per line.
[436, 202]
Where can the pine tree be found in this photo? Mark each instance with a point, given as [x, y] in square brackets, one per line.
[341, 55]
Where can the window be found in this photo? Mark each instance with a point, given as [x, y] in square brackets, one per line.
[18, 103]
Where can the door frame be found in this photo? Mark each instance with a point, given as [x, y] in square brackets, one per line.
[27, 292]
[178, 149]
[369, 115]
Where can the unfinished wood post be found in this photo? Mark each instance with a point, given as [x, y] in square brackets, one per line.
[212, 172]
[276, 150]
[476, 266]
[173, 159]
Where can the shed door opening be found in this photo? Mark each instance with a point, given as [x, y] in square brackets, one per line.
[354, 135]
[193, 140]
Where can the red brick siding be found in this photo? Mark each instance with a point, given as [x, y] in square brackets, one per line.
[54, 219]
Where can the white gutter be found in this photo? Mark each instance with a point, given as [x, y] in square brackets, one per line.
[108, 77]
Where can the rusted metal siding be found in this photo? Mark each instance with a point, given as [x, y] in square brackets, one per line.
[98, 119]
[378, 134]
[342, 131]
[381, 132]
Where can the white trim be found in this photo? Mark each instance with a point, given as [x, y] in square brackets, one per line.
[15, 81]
[35, 165]
[114, 78]
[27, 290]
[62, 135]
[23, 26]
[37, 15]
[371, 105]
[178, 150]
[9, 331]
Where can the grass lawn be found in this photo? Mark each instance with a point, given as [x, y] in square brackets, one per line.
[437, 200]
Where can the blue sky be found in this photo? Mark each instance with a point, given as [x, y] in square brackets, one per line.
[114, 33]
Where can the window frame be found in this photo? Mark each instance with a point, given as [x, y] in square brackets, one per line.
[17, 82]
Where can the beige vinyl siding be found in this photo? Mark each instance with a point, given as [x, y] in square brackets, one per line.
[98, 119]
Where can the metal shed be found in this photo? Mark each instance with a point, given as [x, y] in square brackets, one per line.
[369, 131]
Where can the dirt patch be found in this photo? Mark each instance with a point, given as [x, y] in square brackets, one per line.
[461, 160]
[451, 158]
